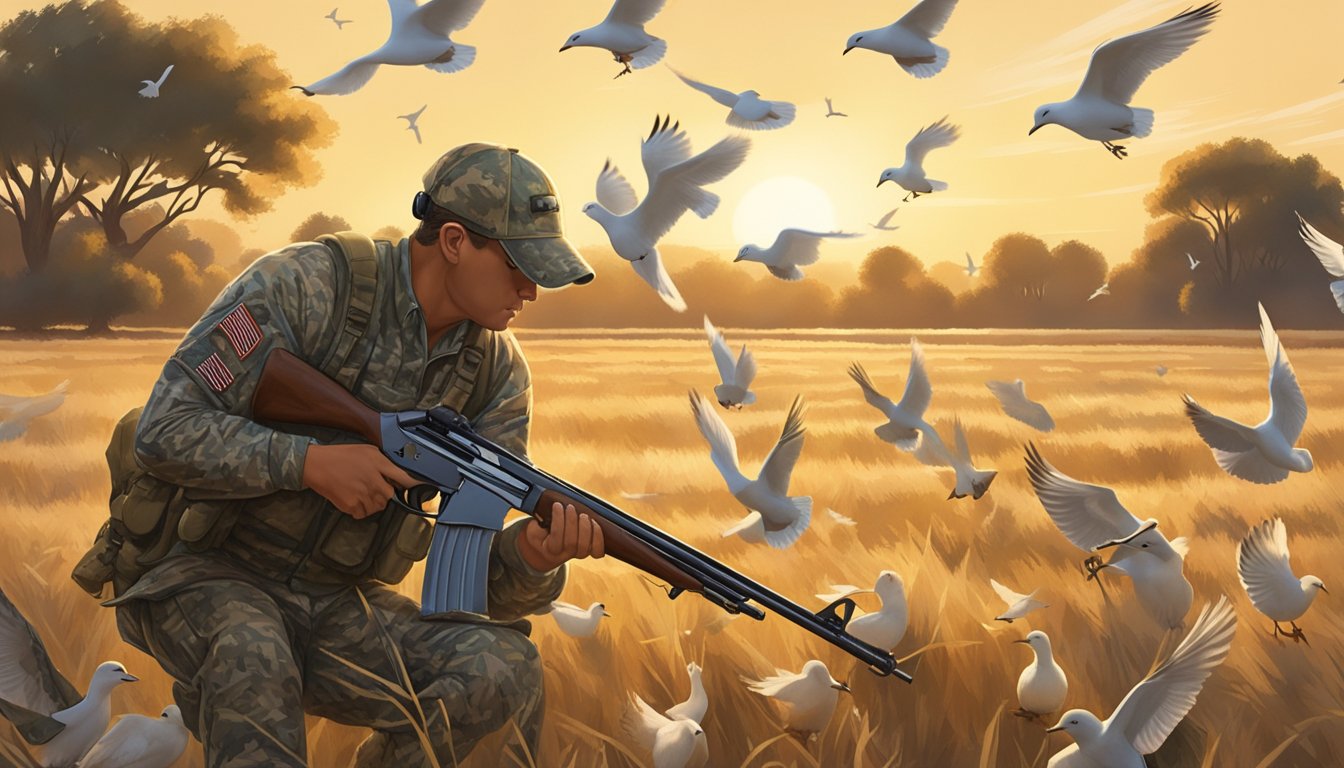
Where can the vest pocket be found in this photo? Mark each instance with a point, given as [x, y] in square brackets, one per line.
[409, 545]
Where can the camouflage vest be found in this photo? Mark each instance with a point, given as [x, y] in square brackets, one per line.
[149, 518]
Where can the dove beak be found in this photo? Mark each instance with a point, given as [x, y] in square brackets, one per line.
[1024, 642]
[1148, 526]
[1054, 728]
[847, 50]
[604, 613]
[952, 495]
[739, 258]
[1035, 128]
[129, 679]
[564, 48]
[879, 182]
[1323, 589]
[839, 686]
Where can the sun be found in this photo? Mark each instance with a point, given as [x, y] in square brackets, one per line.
[779, 203]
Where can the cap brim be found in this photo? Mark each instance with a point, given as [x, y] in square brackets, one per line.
[550, 262]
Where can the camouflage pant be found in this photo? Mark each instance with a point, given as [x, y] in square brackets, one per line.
[248, 662]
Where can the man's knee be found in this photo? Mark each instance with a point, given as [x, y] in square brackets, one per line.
[499, 668]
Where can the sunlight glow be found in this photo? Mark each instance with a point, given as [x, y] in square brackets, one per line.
[778, 203]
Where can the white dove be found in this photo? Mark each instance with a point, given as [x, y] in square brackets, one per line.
[622, 34]
[575, 621]
[1100, 109]
[905, 420]
[830, 110]
[1019, 605]
[1092, 517]
[793, 248]
[411, 124]
[1330, 254]
[736, 376]
[674, 742]
[969, 480]
[697, 704]
[136, 741]
[338, 22]
[420, 36]
[1104, 290]
[16, 412]
[883, 224]
[1153, 708]
[1013, 398]
[1264, 453]
[775, 518]
[1262, 566]
[884, 627]
[910, 176]
[839, 518]
[971, 269]
[151, 89]
[809, 696]
[1161, 370]
[746, 110]
[1193, 262]
[909, 39]
[675, 186]
[1042, 686]
[44, 707]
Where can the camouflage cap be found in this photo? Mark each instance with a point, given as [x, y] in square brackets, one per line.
[506, 197]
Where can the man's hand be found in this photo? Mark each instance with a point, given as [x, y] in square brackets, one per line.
[357, 478]
[571, 536]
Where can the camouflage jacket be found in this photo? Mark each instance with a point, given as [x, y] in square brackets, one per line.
[196, 432]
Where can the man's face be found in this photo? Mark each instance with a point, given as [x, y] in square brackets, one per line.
[490, 288]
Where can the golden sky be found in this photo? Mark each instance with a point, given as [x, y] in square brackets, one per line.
[1262, 71]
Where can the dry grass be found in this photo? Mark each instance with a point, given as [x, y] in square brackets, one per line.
[612, 416]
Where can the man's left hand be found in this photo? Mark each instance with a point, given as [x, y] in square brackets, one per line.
[572, 535]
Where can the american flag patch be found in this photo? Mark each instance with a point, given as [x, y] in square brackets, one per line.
[243, 332]
[215, 373]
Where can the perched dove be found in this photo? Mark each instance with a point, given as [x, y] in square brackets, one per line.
[1262, 565]
[775, 517]
[808, 696]
[622, 34]
[16, 412]
[1330, 254]
[793, 248]
[905, 420]
[411, 124]
[136, 741]
[338, 22]
[1019, 605]
[883, 224]
[1264, 453]
[736, 376]
[911, 176]
[746, 110]
[969, 480]
[830, 110]
[884, 627]
[1104, 290]
[675, 186]
[575, 621]
[1100, 109]
[674, 742]
[420, 36]
[1042, 686]
[909, 39]
[1153, 708]
[151, 89]
[1013, 398]
[1161, 370]
[695, 705]
[971, 269]
[1193, 262]
[43, 706]
[1092, 517]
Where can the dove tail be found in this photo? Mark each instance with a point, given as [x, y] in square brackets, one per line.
[1142, 124]
[1337, 288]
[923, 68]
[649, 55]
[462, 57]
[936, 185]
[786, 537]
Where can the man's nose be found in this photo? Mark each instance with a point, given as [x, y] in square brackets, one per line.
[528, 290]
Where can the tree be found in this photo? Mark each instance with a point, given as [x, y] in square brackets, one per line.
[316, 225]
[224, 122]
[894, 292]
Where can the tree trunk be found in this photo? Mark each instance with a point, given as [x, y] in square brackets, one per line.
[98, 326]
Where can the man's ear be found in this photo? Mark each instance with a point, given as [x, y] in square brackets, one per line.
[451, 237]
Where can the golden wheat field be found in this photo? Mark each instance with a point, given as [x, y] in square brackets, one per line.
[612, 416]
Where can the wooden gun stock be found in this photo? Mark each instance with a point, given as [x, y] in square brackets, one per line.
[294, 392]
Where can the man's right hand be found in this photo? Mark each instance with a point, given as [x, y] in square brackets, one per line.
[357, 477]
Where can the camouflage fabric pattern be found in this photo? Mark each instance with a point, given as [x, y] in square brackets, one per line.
[507, 197]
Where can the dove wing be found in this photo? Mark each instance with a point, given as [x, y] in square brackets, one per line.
[931, 137]
[27, 677]
[722, 446]
[779, 464]
[1262, 566]
[723, 357]
[446, 16]
[642, 721]
[1013, 399]
[1120, 66]
[783, 685]
[635, 12]
[970, 264]
[164, 76]
[665, 147]
[918, 391]
[928, 17]
[1287, 406]
[1330, 253]
[932, 451]
[886, 217]
[675, 189]
[347, 79]
[1155, 706]
[614, 191]
[724, 97]
[963, 448]
[1005, 594]
[1088, 515]
[746, 368]
[655, 274]
[1219, 433]
[801, 247]
[125, 744]
[874, 398]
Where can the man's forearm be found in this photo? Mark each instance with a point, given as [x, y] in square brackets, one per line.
[517, 589]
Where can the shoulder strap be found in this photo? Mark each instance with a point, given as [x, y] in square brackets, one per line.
[359, 291]
[477, 355]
